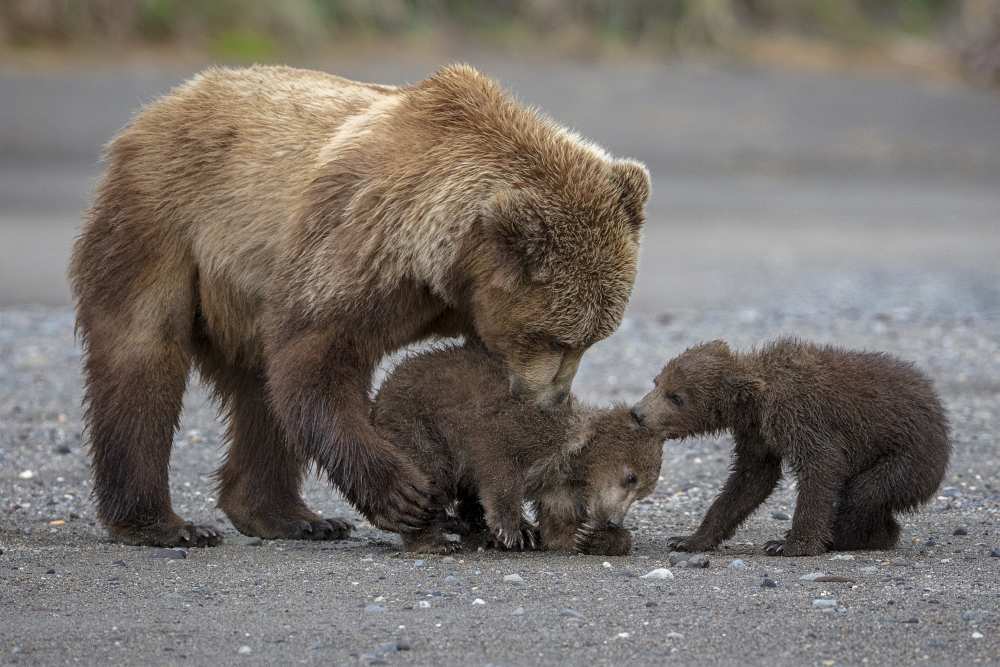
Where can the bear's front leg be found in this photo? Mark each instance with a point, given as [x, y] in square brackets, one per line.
[812, 523]
[504, 508]
[754, 476]
[319, 392]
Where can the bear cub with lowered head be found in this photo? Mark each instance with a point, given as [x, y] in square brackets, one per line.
[451, 412]
[864, 433]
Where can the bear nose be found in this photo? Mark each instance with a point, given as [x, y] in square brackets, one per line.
[637, 416]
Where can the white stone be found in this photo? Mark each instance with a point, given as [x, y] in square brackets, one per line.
[659, 573]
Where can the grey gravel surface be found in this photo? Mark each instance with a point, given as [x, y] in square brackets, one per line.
[69, 595]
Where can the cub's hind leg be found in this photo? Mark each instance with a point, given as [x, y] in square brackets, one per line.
[260, 481]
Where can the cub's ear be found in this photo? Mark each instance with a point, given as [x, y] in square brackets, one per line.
[632, 180]
[518, 229]
[715, 348]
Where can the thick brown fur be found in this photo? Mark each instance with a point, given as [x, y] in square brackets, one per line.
[452, 413]
[864, 433]
[282, 230]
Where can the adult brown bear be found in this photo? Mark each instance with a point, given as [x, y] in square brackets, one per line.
[284, 229]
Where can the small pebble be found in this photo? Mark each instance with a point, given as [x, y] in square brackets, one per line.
[168, 554]
[930, 542]
[911, 620]
[812, 576]
[388, 647]
[244, 650]
[519, 611]
[961, 531]
[995, 552]
[677, 557]
[675, 635]
[424, 604]
[374, 609]
[697, 561]
[951, 492]
[448, 559]
[451, 579]
[869, 569]
[977, 635]
[119, 563]
[479, 601]
[659, 573]
[825, 603]
[780, 516]
[767, 582]
[623, 635]
[26, 474]
[900, 562]
[50, 571]
[737, 564]
[570, 613]
[606, 564]
[842, 557]
[419, 563]
[975, 615]
[515, 579]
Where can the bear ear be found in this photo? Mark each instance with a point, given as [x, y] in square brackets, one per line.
[518, 229]
[717, 346]
[631, 178]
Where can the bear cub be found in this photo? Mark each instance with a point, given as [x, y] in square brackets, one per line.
[452, 412]
[864, 433]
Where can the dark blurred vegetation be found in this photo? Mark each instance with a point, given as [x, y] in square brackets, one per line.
[262, 29]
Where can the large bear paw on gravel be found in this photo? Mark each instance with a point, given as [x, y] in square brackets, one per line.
[317, 529]
[181, 534]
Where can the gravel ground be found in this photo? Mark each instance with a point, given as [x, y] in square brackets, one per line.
[69, 595]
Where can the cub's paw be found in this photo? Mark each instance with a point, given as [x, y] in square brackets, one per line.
[522, 537]
[688, 543]
[608, 541]
[792, 548]
[179, 534]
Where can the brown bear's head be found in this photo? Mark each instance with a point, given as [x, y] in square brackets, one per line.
[695, 392]
[556, 265]
[619, 463]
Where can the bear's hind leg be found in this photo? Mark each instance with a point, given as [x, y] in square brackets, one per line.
[870, 499]
[135, 307]
[261, 479]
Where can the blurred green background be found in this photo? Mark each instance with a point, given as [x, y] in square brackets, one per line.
[938, 36]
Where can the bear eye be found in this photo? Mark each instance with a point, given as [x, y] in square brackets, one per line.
[631, 479]
[676, 400]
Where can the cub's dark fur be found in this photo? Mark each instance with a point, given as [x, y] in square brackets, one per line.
[864, 433]
[452, 413]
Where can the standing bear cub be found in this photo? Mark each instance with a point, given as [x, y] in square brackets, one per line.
[451, 412]
[281, 230]
[864, 433]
